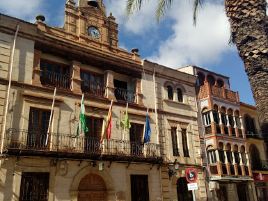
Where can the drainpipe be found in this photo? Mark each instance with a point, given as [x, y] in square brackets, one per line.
[8, 94]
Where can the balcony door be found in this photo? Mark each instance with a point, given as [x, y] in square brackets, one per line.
[93, 136]
[136, 135]
[182, 190]
[37, 128]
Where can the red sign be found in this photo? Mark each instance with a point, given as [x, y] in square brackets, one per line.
[191, 175]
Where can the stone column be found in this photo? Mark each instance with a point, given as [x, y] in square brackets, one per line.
[242, 164]
[139, 95]
[213, 124]
[109, 85]
[36, 68]
[220, 123]
[235, 164]
[228, 125]
[219, 163]
[75, 77]
[227, 163]
[249, 165]
[242, 127]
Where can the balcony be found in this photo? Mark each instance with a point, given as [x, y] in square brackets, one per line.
[55, 144]
[124, 95]
[93, 88]
[53, 79]
[219, 92]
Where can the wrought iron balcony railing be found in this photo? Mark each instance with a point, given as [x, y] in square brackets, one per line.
[93, 88]
[49, 78]
[55, 143]
[124, 95]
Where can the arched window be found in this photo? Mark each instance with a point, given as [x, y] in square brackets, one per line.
[236, 155]
[211, 80]
[179, 95]
[255, 158]
[206, 117]
[216, 114]
[220, 83]
[243, 155]
[200, 79]
[170, 92]
[221, 153]
[250, 125]
[211, 154]
[229, 153]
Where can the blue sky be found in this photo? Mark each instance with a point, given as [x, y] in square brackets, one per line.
[173, 42]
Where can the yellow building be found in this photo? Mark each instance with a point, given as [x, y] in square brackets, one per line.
[256, 149]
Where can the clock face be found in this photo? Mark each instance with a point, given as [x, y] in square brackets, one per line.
[93, 32]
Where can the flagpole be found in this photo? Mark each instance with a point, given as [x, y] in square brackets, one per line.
[124, 132]
[156, 114]
[51, 115]
[8, 92]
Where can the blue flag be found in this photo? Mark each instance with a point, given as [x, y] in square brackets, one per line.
[147, 134]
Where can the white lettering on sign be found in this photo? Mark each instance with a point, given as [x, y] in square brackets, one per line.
[192, 186]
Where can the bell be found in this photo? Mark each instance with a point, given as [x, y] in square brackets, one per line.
[93, 3]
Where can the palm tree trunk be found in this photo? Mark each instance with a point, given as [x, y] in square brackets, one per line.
[249, 27]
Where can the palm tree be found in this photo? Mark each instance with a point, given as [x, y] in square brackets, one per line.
[249, 32]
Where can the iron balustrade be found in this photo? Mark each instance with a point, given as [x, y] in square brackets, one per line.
[49, 78]
[63, 143]
[124, 95]
[93, 88]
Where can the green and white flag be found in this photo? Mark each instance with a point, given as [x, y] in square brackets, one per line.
[125, 123]
[82, 126]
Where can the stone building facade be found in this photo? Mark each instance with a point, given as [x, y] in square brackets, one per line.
[223, 138]
[45, 159]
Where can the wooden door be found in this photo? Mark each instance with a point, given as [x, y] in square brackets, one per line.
[139, 188]
[92, 188]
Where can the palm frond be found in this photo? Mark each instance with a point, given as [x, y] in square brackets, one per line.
[197, 4]
[163, 5]
[133, 5]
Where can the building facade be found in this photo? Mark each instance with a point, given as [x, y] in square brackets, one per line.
[45, 157]
[48, 160]
[223, 138]
[178, 131]
[256, 149]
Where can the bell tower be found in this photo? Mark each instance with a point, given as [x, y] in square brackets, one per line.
[88, 23]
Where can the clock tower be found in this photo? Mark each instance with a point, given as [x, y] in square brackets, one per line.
[87, 22]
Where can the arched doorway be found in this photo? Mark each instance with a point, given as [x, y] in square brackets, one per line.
[92, 188]
[182, 190]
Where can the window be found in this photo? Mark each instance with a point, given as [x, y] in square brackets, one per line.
[221, 156]
[224, 119]
[54, 74]
[92, 83]
[34, 186]
[136, 138]
[170, 92]
[139, 187]
[211, 156]
[37, 128]
[229, 156]
[250, 125]
[174, 141]
[237, 158]
[216, 117]
[180, 95]
[206, 118]
[92, 137]
[122, 92]
[184, 143]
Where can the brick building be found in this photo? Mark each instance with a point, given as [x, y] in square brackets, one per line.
[223, 138]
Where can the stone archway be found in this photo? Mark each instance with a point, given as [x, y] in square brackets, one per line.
[92, 188]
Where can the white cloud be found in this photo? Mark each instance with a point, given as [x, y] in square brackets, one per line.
[139, 22]
[24, 9]
[201, 44]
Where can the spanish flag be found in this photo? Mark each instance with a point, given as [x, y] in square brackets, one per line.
[108, 125]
